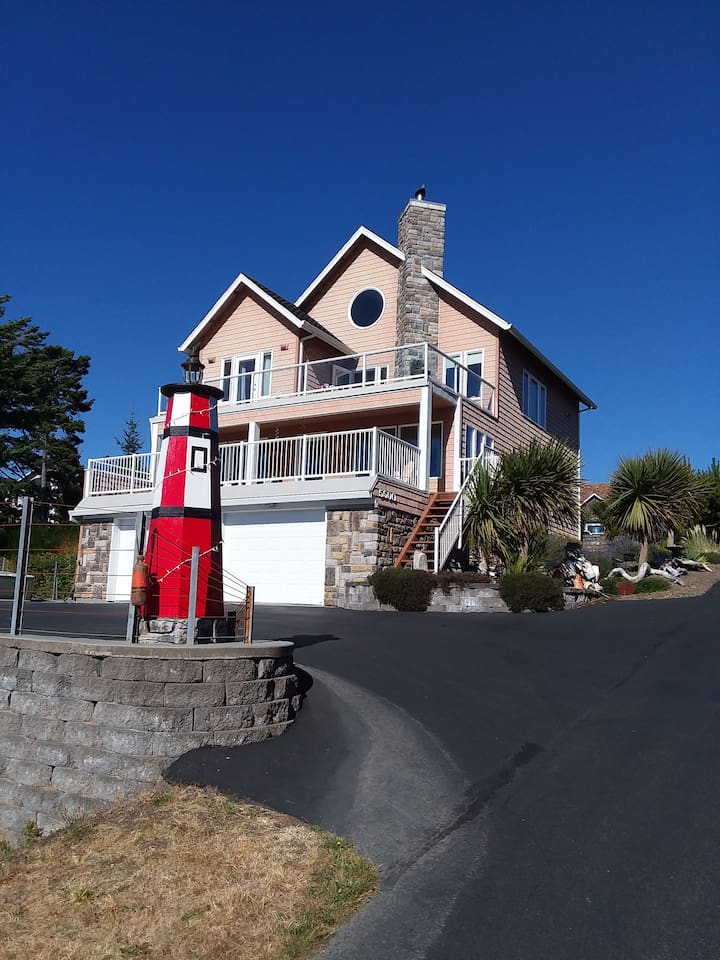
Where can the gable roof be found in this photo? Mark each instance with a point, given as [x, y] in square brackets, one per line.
[361, 235]
[442, 284]
[295, 315]
[589, 491]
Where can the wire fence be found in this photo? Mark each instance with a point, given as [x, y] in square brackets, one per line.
[54, 565]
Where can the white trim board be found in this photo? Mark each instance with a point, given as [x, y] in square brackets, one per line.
[362, 233]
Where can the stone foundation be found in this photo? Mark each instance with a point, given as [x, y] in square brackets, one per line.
[358, 542]
[93, 563]
[84, 724]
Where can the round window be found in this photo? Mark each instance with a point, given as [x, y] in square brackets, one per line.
[366, 308]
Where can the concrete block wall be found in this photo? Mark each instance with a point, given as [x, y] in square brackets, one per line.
[82, 725]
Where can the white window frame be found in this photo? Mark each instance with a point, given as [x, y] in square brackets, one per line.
[260, 378]
[538, 415]
[458, 363]
[356, 378]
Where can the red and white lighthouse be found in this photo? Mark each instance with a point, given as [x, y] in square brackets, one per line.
[185, 509]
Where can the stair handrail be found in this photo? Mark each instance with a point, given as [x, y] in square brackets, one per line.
[450, 531]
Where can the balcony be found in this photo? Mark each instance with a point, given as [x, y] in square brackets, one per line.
[253, 382]
[312, 457]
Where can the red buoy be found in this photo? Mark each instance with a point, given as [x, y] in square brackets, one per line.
[138, 589]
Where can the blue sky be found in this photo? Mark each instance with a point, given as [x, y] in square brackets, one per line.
[153, 150]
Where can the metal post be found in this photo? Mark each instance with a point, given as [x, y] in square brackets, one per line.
[55, 581]
[21, 566]
[249, 612]
[130, 634]
[192, 599]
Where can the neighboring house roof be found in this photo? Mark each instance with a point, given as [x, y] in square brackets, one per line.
[442, 284]
[597, 491]
[361, 236]
[295, 315]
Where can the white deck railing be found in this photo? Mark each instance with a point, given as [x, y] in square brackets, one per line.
[318, 456]
[358, 372]
[450, 531]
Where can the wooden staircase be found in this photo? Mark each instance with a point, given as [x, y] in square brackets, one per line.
[423, 534]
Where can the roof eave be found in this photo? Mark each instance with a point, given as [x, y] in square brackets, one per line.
[506, 327]
[362, 233]
[242, 280]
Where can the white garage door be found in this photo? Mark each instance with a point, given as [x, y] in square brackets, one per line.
[122, 554]
[280, 552]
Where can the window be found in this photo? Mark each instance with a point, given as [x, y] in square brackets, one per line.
[348, 378]
[534, 400]
[409, 434]
[198, 459]
[247, 377]
[366, 307]
[463, 372]
[477, 442]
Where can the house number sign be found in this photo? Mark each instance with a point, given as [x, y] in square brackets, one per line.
[384, 494]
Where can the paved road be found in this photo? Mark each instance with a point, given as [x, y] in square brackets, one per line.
[531, 787]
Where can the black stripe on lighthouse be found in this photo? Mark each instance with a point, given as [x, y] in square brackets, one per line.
[205, 432]
[195, 513]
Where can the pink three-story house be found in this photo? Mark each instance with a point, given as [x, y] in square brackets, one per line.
[346, 418]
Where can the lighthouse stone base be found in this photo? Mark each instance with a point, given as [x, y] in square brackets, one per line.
[175, 630]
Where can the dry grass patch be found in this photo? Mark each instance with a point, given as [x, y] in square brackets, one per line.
[179, 874]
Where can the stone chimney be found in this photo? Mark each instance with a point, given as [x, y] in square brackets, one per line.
[421, 237]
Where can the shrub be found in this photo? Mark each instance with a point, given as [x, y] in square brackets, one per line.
[713, 556]
[652, 585]
[697, 544]
[403, 588]
[532, 591]
[42, 567]
[605, 564]
[450, 578]
[609, 585]
[407, 589]
[658, 555]
[624, 547]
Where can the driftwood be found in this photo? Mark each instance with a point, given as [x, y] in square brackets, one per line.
[644, 570]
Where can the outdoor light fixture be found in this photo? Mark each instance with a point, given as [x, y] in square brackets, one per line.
[192, 368]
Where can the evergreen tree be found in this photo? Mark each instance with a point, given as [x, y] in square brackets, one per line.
[130, 441]
[41, 401]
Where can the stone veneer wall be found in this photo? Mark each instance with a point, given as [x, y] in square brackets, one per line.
[421, 237]
[93, 563]
[358, 542]
[84, 724]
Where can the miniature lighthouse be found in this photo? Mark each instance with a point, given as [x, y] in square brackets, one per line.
[185, 512]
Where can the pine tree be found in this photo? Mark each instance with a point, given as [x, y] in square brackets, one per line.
[42, 398]
[130, 441]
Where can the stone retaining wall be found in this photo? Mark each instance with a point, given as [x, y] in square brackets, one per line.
[83, 724]
[358, 542]
[473, 598]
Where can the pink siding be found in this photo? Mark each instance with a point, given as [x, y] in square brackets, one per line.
[461, 330]
[367, 268]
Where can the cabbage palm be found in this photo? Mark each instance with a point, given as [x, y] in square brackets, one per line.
[510, 510]
[652, 495]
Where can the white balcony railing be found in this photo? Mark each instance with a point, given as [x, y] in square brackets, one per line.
[450, 531]
[356, 373]
[349, 453]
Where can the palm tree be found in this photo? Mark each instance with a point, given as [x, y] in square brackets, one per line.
[653, 495]
[510, 510]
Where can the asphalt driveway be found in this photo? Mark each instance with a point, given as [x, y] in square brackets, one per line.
[538, 786]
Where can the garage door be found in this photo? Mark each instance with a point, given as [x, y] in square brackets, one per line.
[280, 552]
[122, 555]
